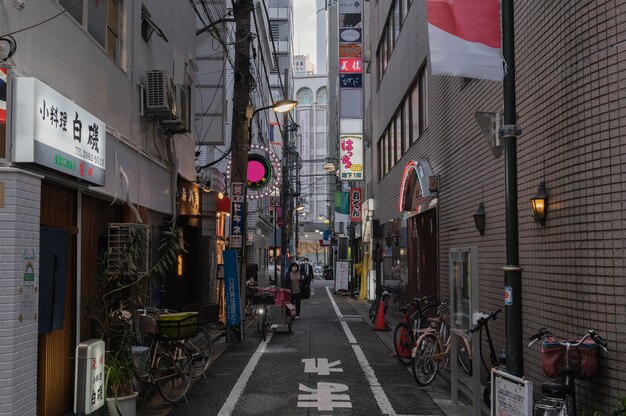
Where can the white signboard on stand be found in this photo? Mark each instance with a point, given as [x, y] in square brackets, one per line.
[510, 395]
[342, 274]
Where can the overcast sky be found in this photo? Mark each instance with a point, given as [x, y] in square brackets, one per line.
[304, 28]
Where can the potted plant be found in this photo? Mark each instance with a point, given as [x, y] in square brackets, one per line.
[121, 395]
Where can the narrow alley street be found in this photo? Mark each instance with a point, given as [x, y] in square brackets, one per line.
[331, 348]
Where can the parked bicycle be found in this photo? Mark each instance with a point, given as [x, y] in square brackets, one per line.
[382, 293]
[160, 360]
[200, 345]
[407, 330]
[567, 361]
[494, 360]
[432, 348]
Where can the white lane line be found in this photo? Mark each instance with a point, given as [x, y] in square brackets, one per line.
[346, 329]
[335, 307]
[379, 394]
[237, 391]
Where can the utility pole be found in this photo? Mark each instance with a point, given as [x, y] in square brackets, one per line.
[285, 191]
[239, 140]
[509, 133]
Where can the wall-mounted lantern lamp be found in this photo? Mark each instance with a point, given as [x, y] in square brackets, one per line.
[540, 204]
[479, 219]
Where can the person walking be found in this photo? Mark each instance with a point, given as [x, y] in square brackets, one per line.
[306, 270]
[293, 281]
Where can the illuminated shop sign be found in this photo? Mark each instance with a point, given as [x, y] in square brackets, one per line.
[351, 157]
[52, 131]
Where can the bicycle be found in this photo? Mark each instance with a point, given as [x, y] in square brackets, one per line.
[158, 359]
[495, 361]
[405, 332]
[567, 360]
[432, 348]
[200, 346]
[262, 300]
[382, 294]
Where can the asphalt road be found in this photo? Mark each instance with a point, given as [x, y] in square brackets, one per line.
[347, 370]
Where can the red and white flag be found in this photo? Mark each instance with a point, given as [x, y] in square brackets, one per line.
[465, 39]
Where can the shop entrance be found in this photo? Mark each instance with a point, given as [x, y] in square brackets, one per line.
[423, 254]
[57, 318]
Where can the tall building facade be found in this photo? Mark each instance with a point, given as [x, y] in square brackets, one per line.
[424, 126]
[271, 23]
[83, 149]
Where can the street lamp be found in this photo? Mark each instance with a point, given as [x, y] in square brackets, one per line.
[329, 166]
[281, 106]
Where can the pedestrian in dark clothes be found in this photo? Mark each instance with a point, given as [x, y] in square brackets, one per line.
[293, 282]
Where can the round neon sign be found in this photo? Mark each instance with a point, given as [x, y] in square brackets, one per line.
[264, 173]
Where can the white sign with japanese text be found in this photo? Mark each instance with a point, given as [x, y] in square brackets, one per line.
[351, 157]
[237, 202]
[51, 130]
[89, 376]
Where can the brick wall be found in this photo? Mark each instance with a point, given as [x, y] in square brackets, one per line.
[571, 85]
[19, 231]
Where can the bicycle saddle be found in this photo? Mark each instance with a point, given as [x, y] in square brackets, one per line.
[553, 389]
[434, 322]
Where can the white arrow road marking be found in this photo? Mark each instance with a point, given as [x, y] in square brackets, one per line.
[322, 367]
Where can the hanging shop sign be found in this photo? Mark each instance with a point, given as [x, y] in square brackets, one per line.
[188, 198]
[350, 81]
[356, 198]
[351, 157]
[350, 6]
[231, 288]
[350, 35]
[52, 131]
[350, 50]
[264, 172]
[350, 20]
[237, 202]
[350, 65]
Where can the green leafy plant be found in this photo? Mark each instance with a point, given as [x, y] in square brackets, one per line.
[119, 374]
[621, 407]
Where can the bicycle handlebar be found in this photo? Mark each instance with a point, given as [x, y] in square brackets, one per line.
[483, 321]
[591, 334]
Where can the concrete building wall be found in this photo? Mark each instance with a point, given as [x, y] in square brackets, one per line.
[569, 85]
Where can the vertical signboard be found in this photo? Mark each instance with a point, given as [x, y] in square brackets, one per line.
[356, 197]
[342, 276]
[351, 157]
[89, 376]
[350, 22]
[231, 288]
[237, 202]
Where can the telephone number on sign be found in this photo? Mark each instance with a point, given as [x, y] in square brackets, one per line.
[89, 157]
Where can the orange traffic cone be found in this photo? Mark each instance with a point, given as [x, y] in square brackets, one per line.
[380, 318]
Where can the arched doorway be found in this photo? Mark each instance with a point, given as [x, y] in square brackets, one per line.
[421, 206]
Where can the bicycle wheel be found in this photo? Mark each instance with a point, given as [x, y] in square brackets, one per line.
[173, 371]
[465, 359]
[424, 367]
[403, 341]
[487, 395]
[374, 310]
[201, 348]
[264, 327]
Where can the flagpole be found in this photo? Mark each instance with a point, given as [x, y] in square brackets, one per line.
[509, 133]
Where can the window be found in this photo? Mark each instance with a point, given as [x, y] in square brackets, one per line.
[405, 9]
[406, 123]
[423, 90]
[103, 21]
[380, 159]
[398, 136]
[415, 112]
[397, 16]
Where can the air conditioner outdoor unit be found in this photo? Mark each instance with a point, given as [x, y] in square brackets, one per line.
[160, 95]
[180, 124]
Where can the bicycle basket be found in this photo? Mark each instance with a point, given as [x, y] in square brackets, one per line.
[263, 299]
[179, 325]
[584, 359]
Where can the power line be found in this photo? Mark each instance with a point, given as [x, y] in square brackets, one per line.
[65, 10]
